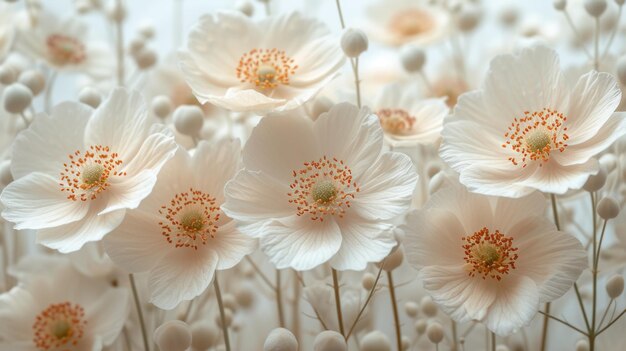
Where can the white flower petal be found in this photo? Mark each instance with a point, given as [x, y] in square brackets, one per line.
[362, 242]
[220, 160]
[230, 246]
[106, 316]
[515, 306]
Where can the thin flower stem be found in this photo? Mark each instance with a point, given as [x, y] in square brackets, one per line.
[596, 46]
[279, 300]
[582, 306]
[594, 269]
[119, 33]
[264, 278]
[576, 33]
[555, 212]
[544, 330]
[142, 323]
[218, 295]
[608, 307]
[127, 344]
[455, 336]
[295, 311]
[48, 96]
[338, 301]
[343, 24]
[369, 297]
[563, 322]
[357, 82]
[268, 10]
[394, 305]
[26, 121]
[426, 81]
[178, 23]
[611, 323]
[614, 32]
[493, 341]
[597, 261]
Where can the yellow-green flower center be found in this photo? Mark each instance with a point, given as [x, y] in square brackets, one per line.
[324, 191]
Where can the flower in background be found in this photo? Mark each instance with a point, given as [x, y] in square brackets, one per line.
[179, 233]
[60, 310]
[399, 22]
[408, 120]
[322, 191]
[78, 170]
[64, 46]
[527, 130]
[495, 260]
[7, 29]
[275, 64]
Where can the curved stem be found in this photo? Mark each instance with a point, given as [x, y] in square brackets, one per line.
[142, 323]
[614, 32]
[493, 341]
[218, 295]
[357, 82]
[338, 302]
[544, 330]
[343, 24]
[369, 297]
[48, 96]
[576, 33]
[394, 305]
[563, 322]
[119, 34]
[279, 302]
[596, 46]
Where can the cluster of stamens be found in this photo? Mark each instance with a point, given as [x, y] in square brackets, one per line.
[59, 327]
[322, 188]
[396, 121]
[190, 219]
[88, 173]
[65, 50]
[489, 254]
[265, 68]
[411, 22]
[536, 135]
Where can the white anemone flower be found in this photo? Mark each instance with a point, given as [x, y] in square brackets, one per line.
[491, 259]
[527, 129]
[7, 29]
[64, 46]
[179, 234]
[407, 119]
[399, 22]
[62, 310]
[322, 191]
[275, 64]
[78, 170]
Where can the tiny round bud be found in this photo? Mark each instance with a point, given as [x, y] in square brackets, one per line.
[582, 345]
[34, 80]
[411, 309]
[595, 8]
[89, 96]
[375, 341]
[280, 339]
[136, 46]
[145, 58]
[228, 318]
[368, 281]
[354, 42]
[434, 332]
[615, 286]
[173, 336]
[608, 208]
[230, 302]
[146, 30]
[6, 176]
[7, 75]
[559, 5]
[596, 182]
[188, 120]
[329, 340]
[393, 260]
[406, 342]
[17, 97]
[245, 7]
[608, 162]
[468, 18]
[509, 16]
[116, 12]
[204, 336]
[162, 106]
[428, 306]
[413, 58]
[619, 2]
[420, 326]
[245, 297]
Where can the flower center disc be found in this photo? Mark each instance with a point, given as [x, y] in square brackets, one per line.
[65, 50]
[324, 191]
[411, 22]
[59, 325]
[265, 68]
[396, 121]
[489, 254]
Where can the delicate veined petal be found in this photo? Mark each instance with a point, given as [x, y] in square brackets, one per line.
[232, 246]
[362, 242]
[106, 317]
[514, 307]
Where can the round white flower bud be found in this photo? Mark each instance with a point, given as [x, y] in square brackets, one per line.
[434, 332]
[608, 208]
[245, 7]
[204, 336]
[145, 58]
[595, 8]
[393, 260]
[6, 176]
[428, 306]
[280, 339]
[245, 297]
[188, 120]
[89, 96]
[354, 42]
[406, 342]
[582, 345]
[368, 281]
[615, 286]
[413, 58]
[17, 97]
[228, 318]
[375, 341]
[7, 75]
[559, 5]
[596, 182]
[468, 18]
[173, 336]
[136, 46]
[162, 106]
[420, 326]
[116, 12]
[34, 80]
[146, 30]
[609, 162]
[509, 16]
[230, 302]
[329, 340]
[411, 309]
